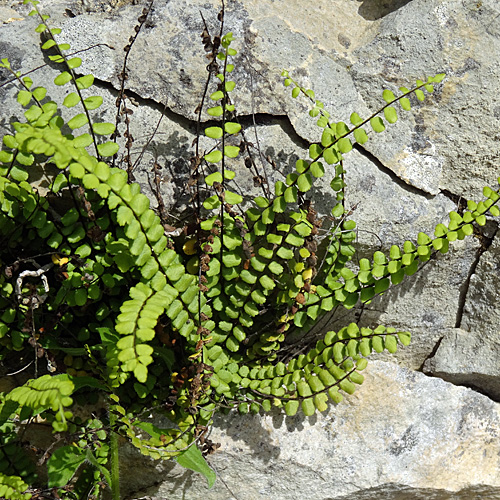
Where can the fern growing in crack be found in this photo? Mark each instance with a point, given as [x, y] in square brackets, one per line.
[112, 306]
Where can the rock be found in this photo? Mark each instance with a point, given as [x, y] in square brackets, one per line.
[469, 355]
[401, 435]
[412, 305]
[481, 310]
[456, 137]
[465, 358]
[403, 212]
[349, 56]
[8, 15]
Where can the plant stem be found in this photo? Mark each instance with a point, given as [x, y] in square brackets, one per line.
[115, 465]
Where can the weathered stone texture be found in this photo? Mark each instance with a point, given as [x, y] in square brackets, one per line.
[402, 434]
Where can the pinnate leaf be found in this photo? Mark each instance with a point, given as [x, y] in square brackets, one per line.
[388, 96]
[71, 100]
[92, 102]
[360, 136]
[84, 82]
[215, 111]
[232, 198]
[103, 128]
[291, 194]
[214, 157]
[214, 177]
[108, 148]
[341, 129]
[63, 78]
[356, 119]
[217, 95]
[78, 121]
[405, 103]
[24, 97]
[304, 182]
[82, 141]
[331, 155]
[229, 85]
[345, 145]
[231, 151]
[75, 62]
[390, 114]
[377, 124]
[214, 132]
[39, 93]
[232, 128]
[420, 95]
[48, 44]
[317, 169]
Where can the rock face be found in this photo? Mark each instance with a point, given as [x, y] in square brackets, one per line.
[465, 359]
[403, 434]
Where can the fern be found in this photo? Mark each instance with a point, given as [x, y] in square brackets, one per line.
[188, 325]
[12, 488]
[46, 392]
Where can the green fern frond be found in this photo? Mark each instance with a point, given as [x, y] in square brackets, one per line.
[46, 392]
[13, 488]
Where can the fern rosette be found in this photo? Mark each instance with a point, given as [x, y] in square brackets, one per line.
[118, 309]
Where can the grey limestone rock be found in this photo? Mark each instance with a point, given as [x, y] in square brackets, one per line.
[481, 309]
[466, 359]
[402, 435]
[469, 355]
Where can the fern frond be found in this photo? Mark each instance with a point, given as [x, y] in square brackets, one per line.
[13, 488]
[46, 392]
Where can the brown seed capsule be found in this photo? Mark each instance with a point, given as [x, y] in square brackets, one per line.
[312, 260]
[281, 328]
[300, 298]
[311, 245]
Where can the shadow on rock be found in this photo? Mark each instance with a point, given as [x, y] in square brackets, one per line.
[372, 10]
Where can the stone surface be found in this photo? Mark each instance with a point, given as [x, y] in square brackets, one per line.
[463, 358]
[469, 356]
[401, 435]
[425, 304]
[455, 138]
[482, 310]
[347, 58]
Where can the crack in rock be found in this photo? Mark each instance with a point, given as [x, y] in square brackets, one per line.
[246, 120]
[486, 242]
[394, 177]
